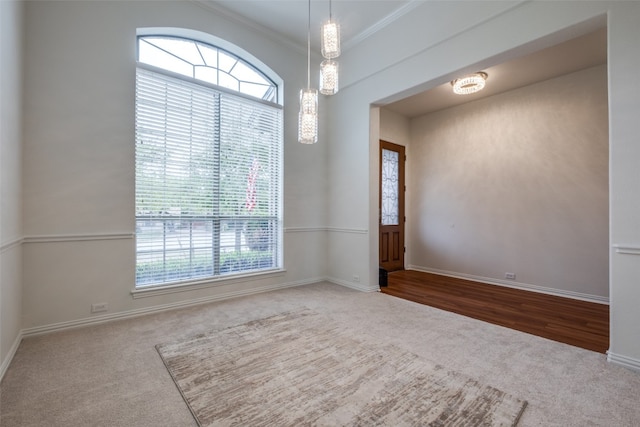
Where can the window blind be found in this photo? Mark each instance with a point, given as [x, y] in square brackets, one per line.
[208, 167]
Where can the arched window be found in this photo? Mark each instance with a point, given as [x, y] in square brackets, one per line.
[206, 63]
[208, 163]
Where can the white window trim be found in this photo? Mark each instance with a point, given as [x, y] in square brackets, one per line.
[217, 42]
[222, 89]
[187, 286]
[216, 281]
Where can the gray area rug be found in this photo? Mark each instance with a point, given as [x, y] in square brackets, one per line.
[300, 368]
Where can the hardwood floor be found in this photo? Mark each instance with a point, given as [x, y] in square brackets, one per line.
[579, 323]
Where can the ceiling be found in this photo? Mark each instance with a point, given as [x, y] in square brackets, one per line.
[564, 58]
[286, 21]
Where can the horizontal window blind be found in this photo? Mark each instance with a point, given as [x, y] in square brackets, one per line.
[208, 174]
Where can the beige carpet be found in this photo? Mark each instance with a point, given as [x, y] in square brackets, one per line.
[110, 375]
[300, 368]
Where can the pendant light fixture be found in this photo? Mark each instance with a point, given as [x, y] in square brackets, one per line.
[308, 115]
[330, 38]
[329, 77]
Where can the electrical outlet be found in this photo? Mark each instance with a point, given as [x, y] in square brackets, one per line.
[99, 307]
[510, 276]
[356, 278]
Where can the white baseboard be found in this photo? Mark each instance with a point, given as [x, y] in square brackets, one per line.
[353, 285]
[60, 326]
[624, 361]
[12, 352]
[54, 327]
[516, 285]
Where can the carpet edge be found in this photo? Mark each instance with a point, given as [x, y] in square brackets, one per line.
[524, 406]
[175, 382]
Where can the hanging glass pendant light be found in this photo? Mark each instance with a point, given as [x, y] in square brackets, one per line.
[329, 77]
[308, 115]
[330, 37]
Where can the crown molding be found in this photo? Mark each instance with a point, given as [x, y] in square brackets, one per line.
[384, 22]
[261, 29]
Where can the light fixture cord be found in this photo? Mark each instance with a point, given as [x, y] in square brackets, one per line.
[309, 48]
[330, 14]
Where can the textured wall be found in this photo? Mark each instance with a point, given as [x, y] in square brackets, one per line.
[517, 182]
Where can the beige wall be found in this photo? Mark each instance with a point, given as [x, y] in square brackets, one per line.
[392, 65]
[10, 179]
[79, 161]
[394, 127]
[517, 182]
[79, 99]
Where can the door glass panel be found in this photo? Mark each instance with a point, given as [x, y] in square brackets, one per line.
[389, 187]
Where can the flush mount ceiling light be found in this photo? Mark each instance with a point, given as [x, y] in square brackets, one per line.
[469, 84]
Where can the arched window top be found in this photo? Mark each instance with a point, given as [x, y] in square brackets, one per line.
[206, 62]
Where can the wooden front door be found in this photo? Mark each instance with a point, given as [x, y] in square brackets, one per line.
[391, 207]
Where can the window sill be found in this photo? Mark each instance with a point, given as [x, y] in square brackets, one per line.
[154, 290]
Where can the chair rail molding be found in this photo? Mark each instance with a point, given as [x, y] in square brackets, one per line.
[5, 246]
[628, 249]
[53, 238]
[327, 229]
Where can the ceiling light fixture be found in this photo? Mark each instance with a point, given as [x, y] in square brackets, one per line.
[469, 84]
[329, 77]
[308, 115]
[330, 35]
